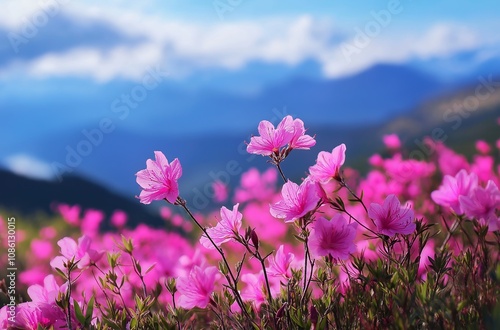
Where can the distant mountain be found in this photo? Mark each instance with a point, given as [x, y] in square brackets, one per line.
[204, 158]
[29, 196]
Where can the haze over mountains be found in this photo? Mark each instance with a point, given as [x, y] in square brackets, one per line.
[206, 128]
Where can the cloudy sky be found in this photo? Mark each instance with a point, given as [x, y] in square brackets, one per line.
[65, 63]
[119, 39]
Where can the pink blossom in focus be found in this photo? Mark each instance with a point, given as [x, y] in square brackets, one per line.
[391, 218]
[328, 164]
[482, 204]
[225, 230]
[220, 191]
[271, 139]
[47, 293]
[452, 188]
[280, 264]
[299, 139]
[80, 252]
[392, 141]
[119, 218]
[196, 288]
[333, 238]
[159, 180]
[29, 316]
[296, 200]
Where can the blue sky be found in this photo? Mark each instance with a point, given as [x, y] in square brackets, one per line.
[64, 62]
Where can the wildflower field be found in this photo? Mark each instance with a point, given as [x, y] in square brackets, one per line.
[412, 244]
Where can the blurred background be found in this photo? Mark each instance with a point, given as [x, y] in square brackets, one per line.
[89, 89]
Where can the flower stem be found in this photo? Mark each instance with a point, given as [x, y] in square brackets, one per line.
[233, 283]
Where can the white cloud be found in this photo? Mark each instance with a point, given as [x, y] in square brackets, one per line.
[26, 165]
[185, 47]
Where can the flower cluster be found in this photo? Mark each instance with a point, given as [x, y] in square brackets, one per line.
[412, 244]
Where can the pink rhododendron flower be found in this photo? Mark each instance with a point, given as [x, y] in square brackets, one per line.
[254, 185]
[296, 200]
[41, 249]
[328, 164]
[71, 214]
[48, 292]
[280, 264]
[255, 290]
[80, 252]
[376, 160]
[452, 188]
[407, 170]
[29, 316]
[483, 147]
[333, 238]
[159, 180]
[220, 191]
[227, 228]
[195, 289]
[299, 139]
[392, 141]
[271, 139]
[119, 218]
[391, 218]
[482, 204]
[91, 222]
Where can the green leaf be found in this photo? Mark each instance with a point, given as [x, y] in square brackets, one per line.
[79, 313]
[90, 309]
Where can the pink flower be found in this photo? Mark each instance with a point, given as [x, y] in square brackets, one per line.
[195, 289]
[119, 218]
[255, 290]
[227, 228]
[47, 293]
[159, 180]
[391, 218]
[271, 139]
[220, 191]
[71, 214]
[280, 264]
[392, 141]
[299, 139]
[297, 200]
[328, 164]
[333, 238]
[81, 253]
[254, 185]
[482, 204]
[42, 249]
[91, 222]
[452, 188]
[483, 147]
[29, 316]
